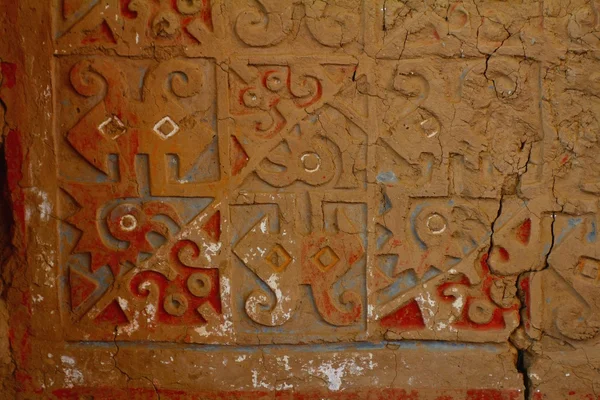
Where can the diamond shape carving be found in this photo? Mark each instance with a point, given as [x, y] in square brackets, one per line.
[166, 127]
[113, 127]
[589, 269]
[326, 258]
[278, 258]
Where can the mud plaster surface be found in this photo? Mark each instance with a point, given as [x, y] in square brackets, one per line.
[300, 199]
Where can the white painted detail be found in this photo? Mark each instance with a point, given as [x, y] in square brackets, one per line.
[161, 123]
[73, 376]
[108, 121]
[308, 157]
[128, 222]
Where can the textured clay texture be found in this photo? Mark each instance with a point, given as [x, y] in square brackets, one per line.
[300, 199]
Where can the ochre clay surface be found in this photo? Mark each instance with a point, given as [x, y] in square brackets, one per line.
[300, 199]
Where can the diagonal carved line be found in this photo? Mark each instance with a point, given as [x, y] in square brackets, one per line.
[120, 286]
[464, 267]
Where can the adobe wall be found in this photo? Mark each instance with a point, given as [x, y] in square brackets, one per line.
[298, 199]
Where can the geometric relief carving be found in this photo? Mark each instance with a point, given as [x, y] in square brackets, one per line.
[136, 27]
[574, 124]
[311, 202]
[251, 196]
[141, 230]
[298, 270]
[260, 23]
[274, 139]
[563, 300]
[568, 291]
[448, 216]
[458, 29]
[132, 26]
[426, 148]
[572, 25]
[299, 172]
[432, 278]
[298, 156]
[291, 211]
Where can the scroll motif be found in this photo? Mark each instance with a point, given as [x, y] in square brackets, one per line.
[432, 275]
[271, 22]
[135, 192]
[130, 26]
[275, 139]
[285, 260]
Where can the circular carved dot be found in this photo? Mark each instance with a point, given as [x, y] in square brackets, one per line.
[274, 82]
[585, 16]
[199, 284]
[175, 304]
[128, 222]
[251, 98]
[411, 85]
[311, 162]
[505, 86]
[458, 19]
[481, 311]
[436, 224]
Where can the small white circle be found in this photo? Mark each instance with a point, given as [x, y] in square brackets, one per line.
[311, 162]
[251, 99]
[274, 83]
[128, 222]
[436, 224]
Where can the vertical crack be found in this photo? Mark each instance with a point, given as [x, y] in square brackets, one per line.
[522, 368]
[523, 349]
[546, 265]
[489, 252]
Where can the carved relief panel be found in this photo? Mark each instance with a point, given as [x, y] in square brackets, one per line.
[262, 23]
[140, 27]
[563, 303]
[450, 28]
[294, 172]
[132, 26]
[454, 136]
[299, 198]
[258, 197]
[140, 172]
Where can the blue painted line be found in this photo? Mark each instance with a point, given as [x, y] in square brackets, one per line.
[413, 228]
[592, 236]
[304, 348]
[573, 223]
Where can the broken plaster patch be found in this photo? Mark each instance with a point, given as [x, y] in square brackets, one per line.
[335, 372]
[73, 376]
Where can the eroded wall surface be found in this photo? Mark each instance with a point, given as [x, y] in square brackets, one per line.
[298, 199]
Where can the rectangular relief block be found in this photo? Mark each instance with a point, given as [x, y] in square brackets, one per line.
[455, 126]
[140, 200]
[132, 27]
[454, 136]
[210, 28]
[298, 198]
